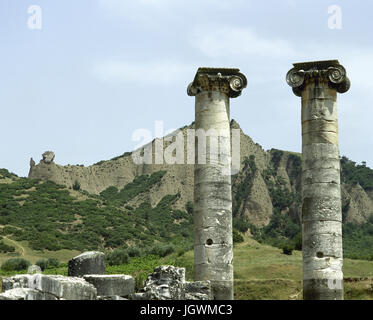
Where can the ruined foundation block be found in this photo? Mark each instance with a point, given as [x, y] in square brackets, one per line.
[18, 281]
[15, 294]
[165, 283]
[112, 285]
[38, 295]
[92, 262]
[67, 288]
[198, 290]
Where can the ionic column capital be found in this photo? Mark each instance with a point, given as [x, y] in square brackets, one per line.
[228, 81]
[329, 71]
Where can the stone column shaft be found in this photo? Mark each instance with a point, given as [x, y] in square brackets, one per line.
[213, 243]
[318, 83]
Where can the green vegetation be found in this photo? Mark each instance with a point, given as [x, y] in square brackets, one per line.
[117, 257]
[283, 231]
[240, 196]
[261, 272]
[76, 186]
[47, 217]
[244, 187]
[189, 207]
[126, 154]
[358, 240]
[139, 185]
[47, 263]
[4, 248]
[4, 173]
[352, 173]
[237, 236]
[294, 167]
[287, 249]
[276, 156]
[15, 264]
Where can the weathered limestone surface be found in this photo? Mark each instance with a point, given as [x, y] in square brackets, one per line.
[38, 295]
[198, 290]
[91, 262]
[18, 281]
[112, 285]
[168, 283]
[48, 157]
[213, 244]
[317, 83]
[26, 294]
[68, 288]
[15, 294]
[165, 283]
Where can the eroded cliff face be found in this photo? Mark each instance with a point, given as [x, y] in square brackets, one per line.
[280, 168]
[358, 204]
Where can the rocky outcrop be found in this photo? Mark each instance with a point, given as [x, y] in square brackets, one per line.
[357, 203]
[257, 206]
[48, 157]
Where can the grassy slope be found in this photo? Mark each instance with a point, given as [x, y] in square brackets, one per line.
[24, 251]
[261, 272]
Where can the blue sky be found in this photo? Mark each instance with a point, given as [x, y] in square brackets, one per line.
[100, 69]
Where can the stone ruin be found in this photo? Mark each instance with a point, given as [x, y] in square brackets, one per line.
[87, 281]
[317, 83]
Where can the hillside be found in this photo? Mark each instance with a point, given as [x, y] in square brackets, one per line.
[275, 182]
[51, 217]
[117, 204]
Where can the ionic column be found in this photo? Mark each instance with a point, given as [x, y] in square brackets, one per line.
[213, 243]
[317, 83]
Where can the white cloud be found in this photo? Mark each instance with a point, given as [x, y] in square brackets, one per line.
[158, 73]
[237, 42]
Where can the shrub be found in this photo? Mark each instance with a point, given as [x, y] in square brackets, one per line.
[134, 252]
[298, 242]
[15, 264]
[180, 251]
[117, 257]
[237, 236]
[5, 248]
[189, 207]
[162, 250]
[76, 186]
[53, 263]
[47, 263]
[287, 249]
[139, 281]
[241, 224]
[42, 264]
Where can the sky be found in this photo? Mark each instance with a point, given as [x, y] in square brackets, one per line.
[80, 77]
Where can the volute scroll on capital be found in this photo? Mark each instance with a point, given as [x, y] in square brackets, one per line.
[228, 81]
[329, 70]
